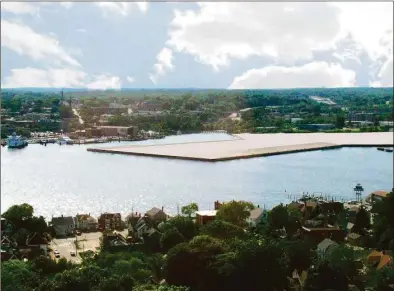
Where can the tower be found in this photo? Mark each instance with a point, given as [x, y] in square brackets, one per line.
[359, 191]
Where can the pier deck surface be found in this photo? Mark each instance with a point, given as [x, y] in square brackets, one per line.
[253, 145]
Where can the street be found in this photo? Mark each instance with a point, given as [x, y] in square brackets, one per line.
[86, 241]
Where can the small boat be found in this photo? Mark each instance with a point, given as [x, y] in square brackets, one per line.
[381, 149]
[178, 132]
[16, 142]
[388, 150]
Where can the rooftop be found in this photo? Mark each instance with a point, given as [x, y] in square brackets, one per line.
[206, 212]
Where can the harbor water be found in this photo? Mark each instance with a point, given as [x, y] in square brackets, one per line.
[68, 179]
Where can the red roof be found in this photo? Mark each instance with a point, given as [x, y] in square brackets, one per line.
[380, 193]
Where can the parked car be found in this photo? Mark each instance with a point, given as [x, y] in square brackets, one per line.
[72, 253]
[55, 252]
[78, 232]
[57, 255]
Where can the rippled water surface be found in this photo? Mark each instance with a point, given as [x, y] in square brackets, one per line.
[69, 180]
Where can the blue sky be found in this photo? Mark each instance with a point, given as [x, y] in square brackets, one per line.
[201, 45]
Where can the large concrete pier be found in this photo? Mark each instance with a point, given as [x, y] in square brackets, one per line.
[254, 145]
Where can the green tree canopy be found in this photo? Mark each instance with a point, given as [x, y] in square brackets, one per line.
[235, 212]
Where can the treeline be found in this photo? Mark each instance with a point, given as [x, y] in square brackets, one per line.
[224, 254]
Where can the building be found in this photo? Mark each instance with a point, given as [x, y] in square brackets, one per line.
[156, 215]
[325, 247]
[114, 240]
[354, 239]
[85, 222]
[131, 221]
[205, 216]
[361, 116]
[110, 221]
[37, 241]
[317, 234]
[115, 110]
[256, 215]
[378, 195]
[117, 130]
[63, 225]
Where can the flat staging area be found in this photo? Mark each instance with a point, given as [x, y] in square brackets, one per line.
[254, 145]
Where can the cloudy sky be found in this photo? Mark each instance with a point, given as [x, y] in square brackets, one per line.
[102, 45]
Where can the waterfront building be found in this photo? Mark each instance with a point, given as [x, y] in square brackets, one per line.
[256, 215]
[63, 225]
[110, 221]
[378, 195]
[205, 216]
[117, 130]
[85, 222]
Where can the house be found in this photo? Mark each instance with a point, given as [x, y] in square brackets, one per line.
[379, 259]
[325, 247]
[352, 213]
[378, 195]
[317, 234]
[85, 222]
[156, 215]
[131, 221]
[350, 227]
[354, 239]
[36, 240]
[7, 242]
[115, 240]
[110, 221]
[256, 215]
[63, 225]
[205, 216]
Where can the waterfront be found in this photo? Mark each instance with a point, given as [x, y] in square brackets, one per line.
[68, 179]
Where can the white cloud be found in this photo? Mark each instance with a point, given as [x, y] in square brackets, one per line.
[163, 64]
[31, 77]
[19, 7]
[130, 79]
[103, 82]
[25, 41]
[286, 32]
[385, 75]
[315, 74]
[121, 8]
[367, 23]
[59, 78]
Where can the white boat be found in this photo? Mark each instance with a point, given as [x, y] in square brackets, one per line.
[16, 142]
[64, 139]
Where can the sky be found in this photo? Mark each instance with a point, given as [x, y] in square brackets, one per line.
[113, 45]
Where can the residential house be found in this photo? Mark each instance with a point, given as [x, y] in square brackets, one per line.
[131, 221]
[110, 221]
[148, 222]
[378, 195]
[85, 222]
[354, 239]
[379, 259]
[256, 215]
[325, 247]
[115, 240]
[37, 241]
[205, 216]
[156, 215]
[352, 213]
[317, 234]
[7, 242]
[63, 225]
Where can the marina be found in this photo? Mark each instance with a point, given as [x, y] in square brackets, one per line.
[69, 179]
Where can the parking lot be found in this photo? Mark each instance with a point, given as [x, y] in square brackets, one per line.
[86, 241]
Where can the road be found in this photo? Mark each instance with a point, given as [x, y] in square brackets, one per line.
[87, 241]
[79, 116]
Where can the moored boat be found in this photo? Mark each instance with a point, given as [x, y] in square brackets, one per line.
[388, 150]
[16, 142]
[64, 139]
[380, 149]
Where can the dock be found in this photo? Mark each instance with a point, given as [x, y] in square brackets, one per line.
[254, 145]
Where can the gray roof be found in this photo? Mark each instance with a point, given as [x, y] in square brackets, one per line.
[62, 220]
[256, 213]
[153, 211]
[325, 244]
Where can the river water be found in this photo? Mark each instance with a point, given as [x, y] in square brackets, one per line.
[69, 180]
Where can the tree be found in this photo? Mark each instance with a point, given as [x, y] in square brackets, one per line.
[171, 238]
[323, 277]
[222, 230]
[189, 209]
[340, 121]
[185, 226]
[17, 213]
[187, 263]
[363, 220]
[383, 220]
[17, 276]
[235, 212]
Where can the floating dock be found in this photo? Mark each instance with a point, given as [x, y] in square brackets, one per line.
[254, 145]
